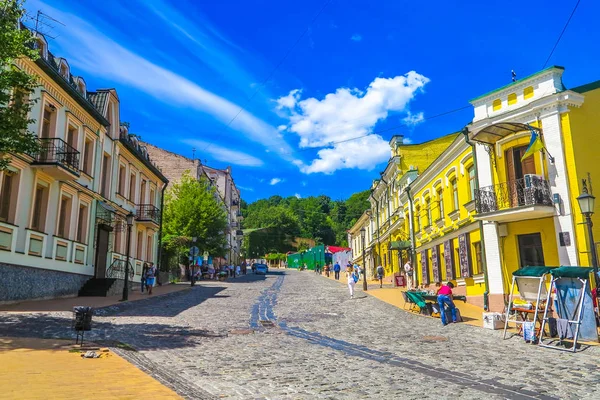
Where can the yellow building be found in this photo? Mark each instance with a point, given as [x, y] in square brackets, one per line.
[62, 210]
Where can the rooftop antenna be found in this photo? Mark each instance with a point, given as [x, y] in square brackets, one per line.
[514, 75]
[42, 24]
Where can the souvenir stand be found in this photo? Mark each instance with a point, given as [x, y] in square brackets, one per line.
[574, 307]
[531, 284]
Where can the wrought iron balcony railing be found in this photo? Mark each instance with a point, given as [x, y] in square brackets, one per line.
[147, 212]
[528, 191]
[57, 151]
[117, 270]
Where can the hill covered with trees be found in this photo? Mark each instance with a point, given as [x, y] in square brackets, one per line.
[273, 224]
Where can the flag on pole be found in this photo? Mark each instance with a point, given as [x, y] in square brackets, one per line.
[535, 144]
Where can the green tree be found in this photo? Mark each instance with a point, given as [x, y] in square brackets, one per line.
[16, 85]
[191, 210]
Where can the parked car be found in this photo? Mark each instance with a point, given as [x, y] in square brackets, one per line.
[261, 269]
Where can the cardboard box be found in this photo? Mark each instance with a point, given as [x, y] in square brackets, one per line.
[493, 320]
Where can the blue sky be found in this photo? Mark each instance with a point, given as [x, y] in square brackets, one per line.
[183, 69]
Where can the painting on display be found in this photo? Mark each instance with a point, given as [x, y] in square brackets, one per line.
[465, 255]
[435, 264]
[448, 259]
[424, 268]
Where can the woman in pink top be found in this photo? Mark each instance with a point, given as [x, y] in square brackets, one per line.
[445, 298]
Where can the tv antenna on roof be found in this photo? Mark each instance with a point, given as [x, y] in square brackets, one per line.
[514, 75]
[43, 24]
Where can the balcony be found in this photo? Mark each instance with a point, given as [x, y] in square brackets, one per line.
[235, 203]
[516, 200]
[57, 158]
[147, 215]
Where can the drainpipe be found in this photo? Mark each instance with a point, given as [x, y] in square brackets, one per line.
[486, 294]
[413, 241]
[160, 229]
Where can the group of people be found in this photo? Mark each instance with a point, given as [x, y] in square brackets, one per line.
[210, 272]
[149, 276]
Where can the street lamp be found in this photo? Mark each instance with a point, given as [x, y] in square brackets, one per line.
[362, 236]
[586, 204]
[129, 218]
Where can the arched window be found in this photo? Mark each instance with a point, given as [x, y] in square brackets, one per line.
[496, 104]
[528, 92]
[512, 99]
[42, 47]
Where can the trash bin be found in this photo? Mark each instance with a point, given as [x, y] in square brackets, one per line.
[82, 321]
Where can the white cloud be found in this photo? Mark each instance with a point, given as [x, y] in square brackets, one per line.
[346, 114]
[407, 140]
[298, 196]
[289, 101]
[282, 128]
[92, 51]
[247, 189]
[413, 119]
[224, 154]
[356, 37]
[275, 181]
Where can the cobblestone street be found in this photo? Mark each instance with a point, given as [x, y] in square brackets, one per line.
[296, 335]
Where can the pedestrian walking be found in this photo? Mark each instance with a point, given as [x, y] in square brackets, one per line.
[157, 274]
[143, 278]
[408, 270]
[327, 268]
[317, 267]
[336, 271]
[351, 278]
[239, 270]
[380, 275]
[357, 270]
[445, 298]
[150, 274]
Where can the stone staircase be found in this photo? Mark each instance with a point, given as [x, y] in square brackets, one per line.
[98, 287]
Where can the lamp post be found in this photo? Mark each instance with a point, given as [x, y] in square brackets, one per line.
[362, 236]
[586, 204]
[129, 218]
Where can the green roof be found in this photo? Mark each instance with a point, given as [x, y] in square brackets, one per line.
[517, 82]
[587, 87]
[532, 271]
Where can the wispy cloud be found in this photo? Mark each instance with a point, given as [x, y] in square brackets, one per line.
[93, 52]
[356, 37]
[224, 154]
[275, 181]
[247, 189]
[413, 119]
[298, 196]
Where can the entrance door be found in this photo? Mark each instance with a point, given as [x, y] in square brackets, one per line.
[102, 250]
[515, 171]
[531, 252]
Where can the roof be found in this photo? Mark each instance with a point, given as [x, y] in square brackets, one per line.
[587, 87]
[517, 82]
[98, 99]
[336, 249]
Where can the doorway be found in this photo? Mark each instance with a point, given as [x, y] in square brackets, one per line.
[515, 172]
[102, 250]
[531, 252]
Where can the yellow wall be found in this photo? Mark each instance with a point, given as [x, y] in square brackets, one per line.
[423, 154]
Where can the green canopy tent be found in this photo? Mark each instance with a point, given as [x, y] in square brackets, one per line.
[530, 281]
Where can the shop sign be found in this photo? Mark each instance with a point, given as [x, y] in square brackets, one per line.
[465, 255]
[449, 259]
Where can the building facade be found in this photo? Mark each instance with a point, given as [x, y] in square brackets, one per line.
[62, 213]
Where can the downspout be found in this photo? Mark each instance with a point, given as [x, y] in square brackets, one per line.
[160, 229]
[413, 241]
[389, 218]
[486, 294]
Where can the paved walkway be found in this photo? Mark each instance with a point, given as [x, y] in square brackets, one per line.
[295, 335]
[54, 369]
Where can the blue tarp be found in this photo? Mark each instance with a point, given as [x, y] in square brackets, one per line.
[568, 292]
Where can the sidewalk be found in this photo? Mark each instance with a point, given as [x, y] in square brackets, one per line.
[67, 304]
[53, 369]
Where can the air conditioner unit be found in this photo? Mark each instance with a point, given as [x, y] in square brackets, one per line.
[532, 180]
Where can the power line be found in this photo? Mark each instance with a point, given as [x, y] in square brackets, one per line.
[285, 56]
[561, 33]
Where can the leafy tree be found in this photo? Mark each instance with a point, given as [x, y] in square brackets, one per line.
[16, 85]
[191, 210]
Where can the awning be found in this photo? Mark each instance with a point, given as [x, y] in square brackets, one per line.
[492, 133]
[400, 245]
[533, 271]
[572, 272]
[336, 249]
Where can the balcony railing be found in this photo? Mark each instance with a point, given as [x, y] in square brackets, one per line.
[529, 191]
[57, 151]
[147, 212]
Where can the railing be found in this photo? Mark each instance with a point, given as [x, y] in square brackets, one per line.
[147, 212]
[117, 270]
[528, 191]
[55, 150]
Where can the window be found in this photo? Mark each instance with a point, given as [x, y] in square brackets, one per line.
[8, 196]
[118, 240]
[454, 185]
[528, 92]
[106, 176]
[152, 196]
[132, 188]
[48, 121]
[531, 252]
[418, 219]
[496, 104]
[149, 249]
[122, 175]
[82, 223]
[471, 171]
[440, 200]
[40, 205]
[64, 71]
[88, 156]
[64, 217]
[512, 99]
[41, 47]
[143, 192]
[478, 266]
[72, 137]
[140, 243]
[428, 211]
